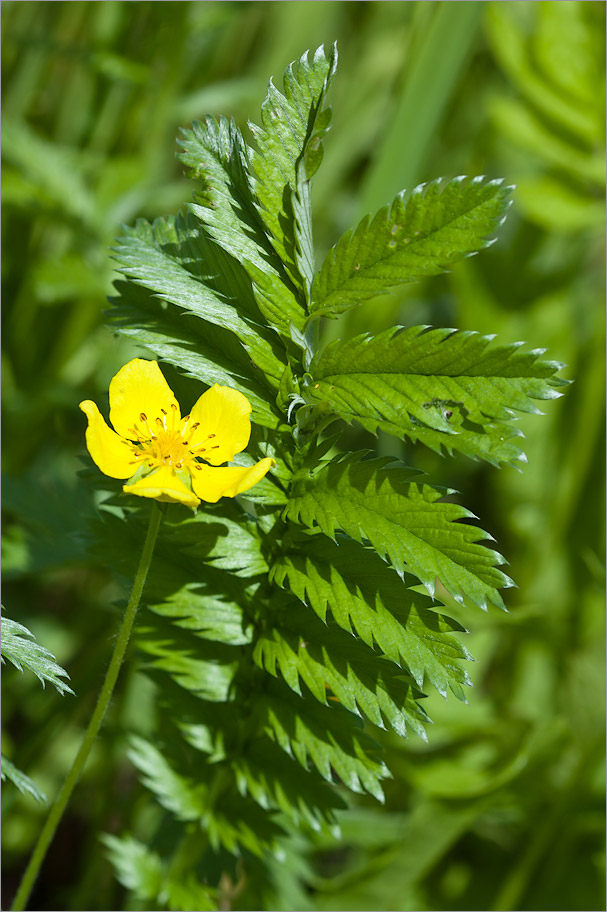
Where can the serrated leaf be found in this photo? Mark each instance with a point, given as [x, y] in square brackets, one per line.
[185, 799]
[25, 785]
[443, 387]
[420, 234]
[198, 664]
[19, 646]
[273, 779]
[207, 353]
[215, 153]
[137, 867]
[328, 736]
[367, 598]
[167, 257]
[236, 823]
[406, 523]
[327, 659]
[292, 127]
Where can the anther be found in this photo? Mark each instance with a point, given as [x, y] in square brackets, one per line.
[173, 406]
[143, 417]
[211, 436]
[194, 426]
[163, 412]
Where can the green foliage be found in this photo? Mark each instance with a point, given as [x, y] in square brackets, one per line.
[503, 807]
[19, 646]
[441, 387]
[271, 647]
[23, 782]
[420, 234]
[560, 70]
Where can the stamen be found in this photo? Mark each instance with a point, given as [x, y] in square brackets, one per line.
[143, 417]
[163, 411]
[211, 436]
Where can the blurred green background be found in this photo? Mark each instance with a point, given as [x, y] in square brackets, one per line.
[503, 808]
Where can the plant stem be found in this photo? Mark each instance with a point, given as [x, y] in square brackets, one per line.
[56, 812]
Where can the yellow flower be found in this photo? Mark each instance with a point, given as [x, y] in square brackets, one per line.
[161, 452]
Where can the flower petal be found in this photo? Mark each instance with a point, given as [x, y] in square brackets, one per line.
[140, 388]
[111, 453]
[163, 485]
[224, 425]
[212, 483]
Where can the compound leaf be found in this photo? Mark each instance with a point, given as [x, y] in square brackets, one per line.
[328, 736]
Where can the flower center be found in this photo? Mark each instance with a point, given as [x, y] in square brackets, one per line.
[167, 441]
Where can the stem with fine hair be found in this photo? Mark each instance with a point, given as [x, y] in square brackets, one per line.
[56, 812]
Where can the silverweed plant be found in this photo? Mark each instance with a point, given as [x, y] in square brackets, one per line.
[297, 598]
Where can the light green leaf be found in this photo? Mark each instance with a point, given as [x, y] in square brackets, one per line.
[367, 598]
[19, 646]
[186, 799]
[24, 783]
[292, 127]
[137, 867]
[420, 234]
[406, 523]
[443, 387]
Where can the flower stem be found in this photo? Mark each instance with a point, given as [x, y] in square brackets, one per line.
[56, 812]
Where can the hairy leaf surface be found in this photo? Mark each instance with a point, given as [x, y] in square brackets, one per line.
[215, 153]
[159, 257]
